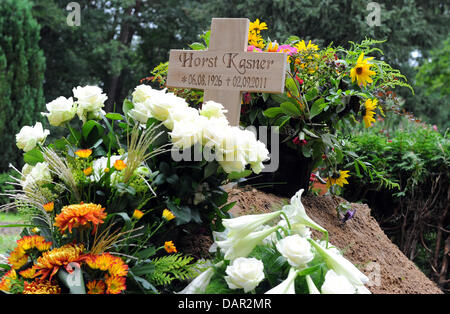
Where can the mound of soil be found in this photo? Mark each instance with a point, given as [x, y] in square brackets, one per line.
[361, 239]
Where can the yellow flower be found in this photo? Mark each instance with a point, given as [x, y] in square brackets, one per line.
[168, 215]
[272, 47]
[170, 247]
[83, 153]
[256, 26]
[49, 207]
[106, 170]
[302, 46]
[19, 256]
[369, 111]
[28, 273]
[362, 72]
[87, 171]
[137, 214]
[120, 165]
[338, 178]
[256, 40]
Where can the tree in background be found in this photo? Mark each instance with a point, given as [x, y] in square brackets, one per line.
[433, 82]
[22, 66]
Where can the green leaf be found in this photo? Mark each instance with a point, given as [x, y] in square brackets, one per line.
[197, 46]
[227, 207]
[210, 169]
[281, 121]
[311, 94]
[114, 116]
[143, 269]
[290, 109]
[292, 86]
[317, 107]
[239, 175]
[273, 112]
[88, 126]
[127, 106]
[146, 253]
[33, 156]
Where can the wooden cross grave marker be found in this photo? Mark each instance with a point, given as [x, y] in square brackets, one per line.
[226, 69]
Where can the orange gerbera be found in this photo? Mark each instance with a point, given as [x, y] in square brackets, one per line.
[19, 256]
[114, 265]
[74, 216]
[83, 153]
[51, 261]
[170, 247]
[96, 287]
[7, 280]
[41, 287]
[115, 284]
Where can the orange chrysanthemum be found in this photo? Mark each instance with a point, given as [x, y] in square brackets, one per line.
[51, 261]
[7, 280]
[120, 165]
[96, 287]
[114, 265]
[83, 153]
[41, 287]
[28, 273]
[170, 247]
[84, 215]
[19, 256]
[115, 284]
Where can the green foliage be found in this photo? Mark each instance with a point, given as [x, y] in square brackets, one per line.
[22, 66]
[171, 267]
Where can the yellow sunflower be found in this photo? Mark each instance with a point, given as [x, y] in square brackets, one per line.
[257, 27]
[369, 111]
[339, 178]
[302, 46]
[362, 72]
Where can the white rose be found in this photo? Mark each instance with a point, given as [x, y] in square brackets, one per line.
[60, 110]
[336, 284]
[161, 103]
[296, 250]
[141, 112]
[29, 137]
[90, 100]
[180, 113]
[186, 133]
[296, 228]
[244, 273]
[212, 109]
[35, 176]
[143, 92]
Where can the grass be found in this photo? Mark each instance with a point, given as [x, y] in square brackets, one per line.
[7, 240]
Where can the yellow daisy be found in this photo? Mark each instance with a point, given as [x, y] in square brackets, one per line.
[369, 111]
[339, 178]
[302, 46]
[256, 26]
[362, 72]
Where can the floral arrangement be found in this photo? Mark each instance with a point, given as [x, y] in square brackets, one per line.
[257, 254]
[104, 202]
[324, 89]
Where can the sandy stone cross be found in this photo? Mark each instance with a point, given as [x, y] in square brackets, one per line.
[226, 69]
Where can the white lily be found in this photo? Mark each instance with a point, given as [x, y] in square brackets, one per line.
[340, 265]
[296, 213]
[241, 226]
[240, 247]
[287, 286]
[311, 286]
[199, 284]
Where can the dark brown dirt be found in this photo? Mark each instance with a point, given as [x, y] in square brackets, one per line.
[361, 239]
